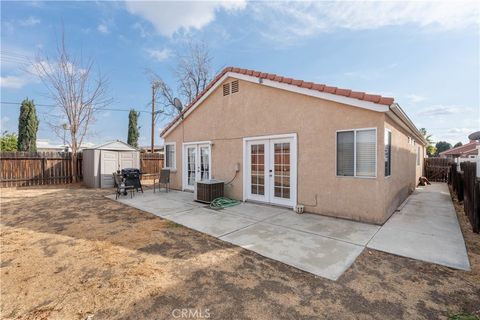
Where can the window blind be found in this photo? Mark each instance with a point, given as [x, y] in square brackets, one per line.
[388, 153]
[345, 153]
[365, 157]
[418, 156]
[169, 156]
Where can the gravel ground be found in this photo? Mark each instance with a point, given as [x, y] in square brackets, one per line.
[71, 253]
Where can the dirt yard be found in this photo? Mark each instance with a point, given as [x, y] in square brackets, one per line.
[71, 253]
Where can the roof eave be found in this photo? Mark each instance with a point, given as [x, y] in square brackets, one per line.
[378, 107]
[396, 110]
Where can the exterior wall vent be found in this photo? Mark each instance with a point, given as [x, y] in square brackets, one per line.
[226, 89]
[234, 86]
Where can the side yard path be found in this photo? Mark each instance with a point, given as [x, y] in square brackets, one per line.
[69, 252]
[426, 228]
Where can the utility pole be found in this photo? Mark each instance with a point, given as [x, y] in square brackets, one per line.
[153, 116]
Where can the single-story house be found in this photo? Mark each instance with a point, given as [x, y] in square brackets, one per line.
[288, 142]
[466, 151]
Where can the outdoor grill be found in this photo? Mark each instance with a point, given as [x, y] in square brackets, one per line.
[132, 178]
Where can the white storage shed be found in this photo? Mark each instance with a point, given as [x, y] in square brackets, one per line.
[100, 162]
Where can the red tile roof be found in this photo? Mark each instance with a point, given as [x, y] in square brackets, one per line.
[299, 83]
[466, 149]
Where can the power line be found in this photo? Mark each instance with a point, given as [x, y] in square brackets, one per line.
[56, 106]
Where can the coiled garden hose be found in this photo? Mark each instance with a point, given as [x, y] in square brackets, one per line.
[221, 203]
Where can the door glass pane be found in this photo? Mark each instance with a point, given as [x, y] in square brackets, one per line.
[191, 166]
[204, 163]
[281, 164]
[257, 168]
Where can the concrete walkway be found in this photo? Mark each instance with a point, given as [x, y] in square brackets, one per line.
[426, 228]
[321, 245]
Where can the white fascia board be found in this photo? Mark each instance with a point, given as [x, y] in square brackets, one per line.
[288, 87]
[313, 93]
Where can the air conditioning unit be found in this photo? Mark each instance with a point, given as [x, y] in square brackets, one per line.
[208, 190]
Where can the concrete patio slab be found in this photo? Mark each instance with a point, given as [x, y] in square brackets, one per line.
[211, 222]
[159, 205]
[340, 229]
[426, 228]
[255, 211]
[311, 247]
[319, 255]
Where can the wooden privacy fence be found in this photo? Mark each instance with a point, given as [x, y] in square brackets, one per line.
[151, 163]
[466, 185]
[18, 169]
[37, 168]
[437, 169]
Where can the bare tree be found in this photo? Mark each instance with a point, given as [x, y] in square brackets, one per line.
[193, 72]
[76, 89]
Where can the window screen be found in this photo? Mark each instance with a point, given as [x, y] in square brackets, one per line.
[388, 153]
[356, 153]
[345, 153]
[418, 156]
[169, 156]
[365, 149]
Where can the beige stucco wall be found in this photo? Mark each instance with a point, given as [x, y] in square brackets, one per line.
[258, 110]
[405, 171]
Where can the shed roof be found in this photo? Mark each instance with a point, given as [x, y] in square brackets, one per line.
[115, 145]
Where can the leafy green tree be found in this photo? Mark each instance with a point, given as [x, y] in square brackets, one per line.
[8, 141]
[431, 150]
[458, 144]
[27, 127]
[442, 146]
[133, 128]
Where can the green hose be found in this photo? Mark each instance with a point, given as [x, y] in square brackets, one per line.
[221, 203]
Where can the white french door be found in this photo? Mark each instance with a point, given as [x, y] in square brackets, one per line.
[271, 170]
[196, 164]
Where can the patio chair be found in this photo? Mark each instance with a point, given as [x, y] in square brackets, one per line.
[119, 183]
[164, 178]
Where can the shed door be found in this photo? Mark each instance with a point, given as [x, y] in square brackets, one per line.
[109, 164]
[127, 160]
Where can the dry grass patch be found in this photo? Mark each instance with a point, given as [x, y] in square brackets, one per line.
[69, 252]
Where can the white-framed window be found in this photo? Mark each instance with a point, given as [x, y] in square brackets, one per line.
[418, 155]
[170, 155]
[357, 152]
[388, 152]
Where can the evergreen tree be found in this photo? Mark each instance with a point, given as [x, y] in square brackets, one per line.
[27, 127]
[133, 128]
[442, 146]
[458, 144]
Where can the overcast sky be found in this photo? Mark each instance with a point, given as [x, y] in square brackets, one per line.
[424, 54]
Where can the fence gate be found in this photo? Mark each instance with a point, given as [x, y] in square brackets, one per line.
[437, 169]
